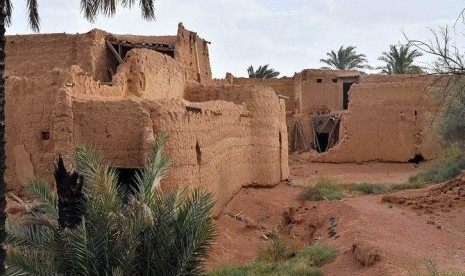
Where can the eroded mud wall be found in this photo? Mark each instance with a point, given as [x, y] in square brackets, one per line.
[34, 55]
[192, 53]
[386, 122]
[283, 86]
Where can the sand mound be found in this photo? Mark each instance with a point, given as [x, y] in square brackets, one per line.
[442, 197]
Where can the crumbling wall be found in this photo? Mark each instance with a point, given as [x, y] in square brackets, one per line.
[34, 55]
[386, 122]
[192, 53]
[283, 86]
[29, 127]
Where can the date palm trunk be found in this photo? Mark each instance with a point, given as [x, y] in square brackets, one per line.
[2, 138]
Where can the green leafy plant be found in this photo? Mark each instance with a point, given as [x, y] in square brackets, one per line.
[447, 166]
[263, 72]
[324, 189]
[379, 188]
[142, 232]
[305, 262]
[278, 250]
[399, 60]
[346, 58]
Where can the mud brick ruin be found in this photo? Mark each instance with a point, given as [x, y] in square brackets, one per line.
[349, 117]
[116, 92]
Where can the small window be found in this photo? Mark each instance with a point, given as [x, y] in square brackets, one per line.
[335, 80]
[319, 80]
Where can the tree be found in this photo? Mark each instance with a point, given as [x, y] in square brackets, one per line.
[90, 9]
[448, 89]
[399, 60]
[263, 72]
[140, 231]
[345, 59]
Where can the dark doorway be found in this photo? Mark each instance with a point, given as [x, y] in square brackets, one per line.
[345, 89]
[322, 141]
[127, 178]
[417, 159]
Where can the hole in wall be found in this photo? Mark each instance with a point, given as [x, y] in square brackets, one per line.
[319, 80]
[199, 154]
[417, 159]
[46, 135]
[416, 113]
[335, 80]
[127, 178]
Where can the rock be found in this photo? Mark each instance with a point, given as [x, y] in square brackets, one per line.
[365, 253]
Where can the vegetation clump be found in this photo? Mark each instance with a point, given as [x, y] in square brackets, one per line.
[379, 188]
[144, 231]
[447, 166]
[324, 189]
[305, 263]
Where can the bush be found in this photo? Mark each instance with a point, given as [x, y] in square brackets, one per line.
[369, 188]
[378, 188]
[324, 189]
[144, 232]
[278, 250]
[317, 255]
[304, 263]
[447, 166]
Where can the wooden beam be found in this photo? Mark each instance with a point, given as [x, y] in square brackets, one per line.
[113, 50]
[283, 97]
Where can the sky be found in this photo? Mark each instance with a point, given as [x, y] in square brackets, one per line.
[290, 35]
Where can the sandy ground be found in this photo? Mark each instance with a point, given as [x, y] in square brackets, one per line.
[372, 237]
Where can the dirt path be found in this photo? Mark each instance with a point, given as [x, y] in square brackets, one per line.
[392, 239]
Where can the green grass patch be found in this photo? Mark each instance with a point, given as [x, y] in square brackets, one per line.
[278, 250]
[304, 263]
[324, 189]
[447, 166]
[378, 188]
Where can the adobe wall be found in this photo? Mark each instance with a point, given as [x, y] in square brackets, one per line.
[283, 86]
[192, 53]
[36, 54]
[386, 122]
[320, 88]
[237, 139]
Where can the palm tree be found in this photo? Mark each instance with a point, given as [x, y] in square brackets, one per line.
[345, 59]
[263, 72]
[141, 232]
[399, 60]
[90, 9]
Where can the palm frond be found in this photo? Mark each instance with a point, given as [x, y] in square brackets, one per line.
[148, 9]
[33, 15]
[42, 192]
[8, 9]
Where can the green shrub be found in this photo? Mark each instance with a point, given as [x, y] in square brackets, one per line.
[304, 263]
[324, 189]
[317, 255]
[411, 184]
[369, 188]
[445, 167]
[273, 269]
[278, 250]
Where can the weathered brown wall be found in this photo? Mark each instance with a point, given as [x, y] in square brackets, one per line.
[327, 93]
[192, 53]
[238, 139]
[283, 86]
[34, 55]
[386, 122]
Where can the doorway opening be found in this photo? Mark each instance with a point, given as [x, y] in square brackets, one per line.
[345, 89]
